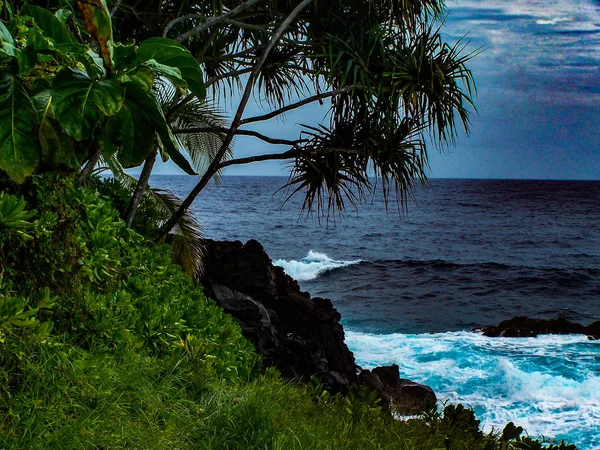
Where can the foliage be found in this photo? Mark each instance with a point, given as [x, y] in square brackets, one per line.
[61, 101]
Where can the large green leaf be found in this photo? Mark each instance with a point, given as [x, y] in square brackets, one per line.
[171, 53]
[171, 73]
[7, 44]
[50, 24]
[19, 152]
[57, 148]
[133, 134]
[143, 105]
[5, 35]
[79, 102]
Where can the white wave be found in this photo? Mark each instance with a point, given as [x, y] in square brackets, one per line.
[311, 266]
[550, 385]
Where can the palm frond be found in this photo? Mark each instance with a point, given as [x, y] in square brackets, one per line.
[202, 147]
[187, 246]
[188, 250]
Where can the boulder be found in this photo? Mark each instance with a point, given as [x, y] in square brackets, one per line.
[528, 327]
[300, 335]
[401, 396]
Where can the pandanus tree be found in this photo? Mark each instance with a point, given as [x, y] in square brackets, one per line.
[390, 84]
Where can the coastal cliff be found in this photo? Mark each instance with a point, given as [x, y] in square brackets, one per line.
[300, 335]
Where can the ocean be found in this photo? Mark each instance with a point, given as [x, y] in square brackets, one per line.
[412, 285]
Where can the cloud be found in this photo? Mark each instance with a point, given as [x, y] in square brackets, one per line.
[549, 50]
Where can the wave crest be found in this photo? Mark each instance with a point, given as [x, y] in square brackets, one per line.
[311, 266]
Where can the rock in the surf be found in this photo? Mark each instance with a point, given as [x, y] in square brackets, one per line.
[528, 327]
[402, 396]
[299, 335]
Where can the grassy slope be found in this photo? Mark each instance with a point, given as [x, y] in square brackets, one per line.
[121, 350]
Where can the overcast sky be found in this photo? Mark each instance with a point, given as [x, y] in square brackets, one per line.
[538, 94]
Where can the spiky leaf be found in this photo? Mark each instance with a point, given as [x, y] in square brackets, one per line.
[19, 152]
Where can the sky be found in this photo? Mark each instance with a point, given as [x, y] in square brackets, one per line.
[538, 95]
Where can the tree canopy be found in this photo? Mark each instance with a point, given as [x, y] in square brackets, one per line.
[71, 93]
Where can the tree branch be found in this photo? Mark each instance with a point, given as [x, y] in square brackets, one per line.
[256, 134]
[116, 7]
[206, 24]
[292, 106]
[214, 165]
[292, 153]
[266, 157]
[216, 78]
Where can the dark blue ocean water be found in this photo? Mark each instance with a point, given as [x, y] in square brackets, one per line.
[410, 286]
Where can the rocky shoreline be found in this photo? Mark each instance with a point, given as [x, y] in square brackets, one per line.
[300, 335]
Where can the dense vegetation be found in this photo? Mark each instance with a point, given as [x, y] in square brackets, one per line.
[105, 343]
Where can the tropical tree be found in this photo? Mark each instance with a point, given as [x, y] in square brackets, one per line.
[68, 97]
[391, 84]
[71, 96]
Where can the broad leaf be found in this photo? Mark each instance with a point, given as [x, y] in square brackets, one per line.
[50, 24]
[79, 102]
[57, 148]
[143, 79]
[144, 105]
[172, 53]
[173, 74]
[7, 44]
[5, 35]
[124, 55]
[19, 153]
[98, 23]
[131, 131]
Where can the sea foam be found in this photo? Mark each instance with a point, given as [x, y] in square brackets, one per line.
[311, 266]
[550, 385]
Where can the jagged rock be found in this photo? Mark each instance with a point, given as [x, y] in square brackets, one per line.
[402, 396]
[528, 327]
[300, 335]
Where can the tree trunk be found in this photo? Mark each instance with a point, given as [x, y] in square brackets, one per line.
[140, 188]
[89, 167]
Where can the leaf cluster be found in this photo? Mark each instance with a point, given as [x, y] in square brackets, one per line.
[67, 91]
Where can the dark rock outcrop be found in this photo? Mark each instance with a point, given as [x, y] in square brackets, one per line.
[528, 327]
[400, 395]
[300, 335]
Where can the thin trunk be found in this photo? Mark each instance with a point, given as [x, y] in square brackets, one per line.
[142, 184]
[214, 166]
[84, 176]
